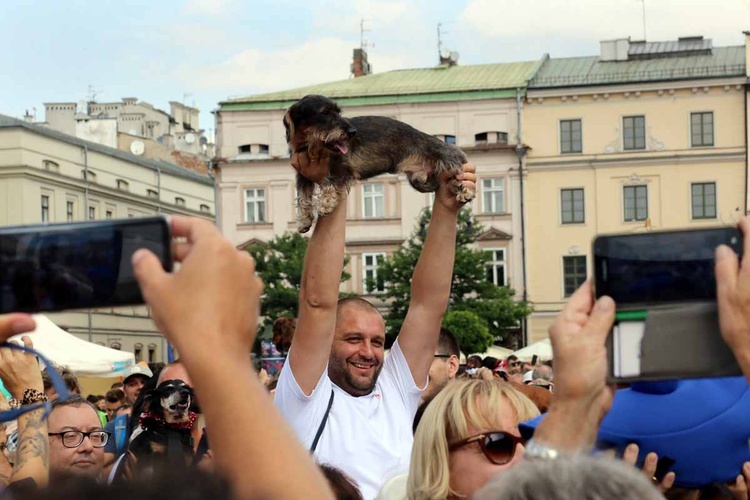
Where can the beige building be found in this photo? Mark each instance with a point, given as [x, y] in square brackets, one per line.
[645, 136]
[49, 176]
[474, 107]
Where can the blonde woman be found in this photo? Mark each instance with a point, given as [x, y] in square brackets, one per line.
[467, 434]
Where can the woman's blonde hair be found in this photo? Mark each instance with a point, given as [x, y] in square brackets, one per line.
[460, 405]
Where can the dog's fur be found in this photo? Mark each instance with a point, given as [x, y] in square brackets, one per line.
[361, 148]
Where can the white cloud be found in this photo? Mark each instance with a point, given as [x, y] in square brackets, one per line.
[316, 61]
[205, 7]
[596, 20]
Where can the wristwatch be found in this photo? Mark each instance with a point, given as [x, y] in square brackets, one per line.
[534, 450]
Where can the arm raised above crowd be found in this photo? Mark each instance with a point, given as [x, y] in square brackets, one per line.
[318, 299]
[208, 309]
[431, 282]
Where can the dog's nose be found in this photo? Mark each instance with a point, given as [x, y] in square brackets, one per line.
[351, 132]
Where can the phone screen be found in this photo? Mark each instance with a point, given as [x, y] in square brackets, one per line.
[656, 267]
[78, 265]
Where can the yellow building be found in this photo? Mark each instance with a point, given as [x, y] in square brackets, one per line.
[646, 135]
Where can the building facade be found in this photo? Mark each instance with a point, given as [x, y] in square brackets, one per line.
[645, 136]
[49, 176]
[474, 107]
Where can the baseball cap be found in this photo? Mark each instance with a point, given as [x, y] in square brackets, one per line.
[136, 370]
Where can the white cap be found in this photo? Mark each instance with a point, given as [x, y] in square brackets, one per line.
[137, 370]
[527, 377]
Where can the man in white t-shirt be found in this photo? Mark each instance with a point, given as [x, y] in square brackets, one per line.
[337, 354]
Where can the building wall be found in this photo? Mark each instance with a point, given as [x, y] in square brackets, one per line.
[668, 166]
[402, 204]
[33, 165]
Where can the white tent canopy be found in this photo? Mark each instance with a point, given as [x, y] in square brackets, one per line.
[542, 349]
[84, 358]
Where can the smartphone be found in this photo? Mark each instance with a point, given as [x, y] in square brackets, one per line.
[79, 265]
[660, 266]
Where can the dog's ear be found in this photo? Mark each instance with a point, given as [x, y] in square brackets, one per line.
[289, 126]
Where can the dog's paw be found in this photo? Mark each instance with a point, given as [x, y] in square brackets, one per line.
[465, 195]
[304, 223]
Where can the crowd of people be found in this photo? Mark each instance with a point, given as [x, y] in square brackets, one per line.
[341, 419]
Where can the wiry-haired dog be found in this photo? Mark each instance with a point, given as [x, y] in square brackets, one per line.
[360, 148]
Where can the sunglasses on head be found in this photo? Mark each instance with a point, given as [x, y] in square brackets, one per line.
[499, 447]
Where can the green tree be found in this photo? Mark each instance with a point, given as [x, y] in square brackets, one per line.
[470, 330]
[279, 263]
[470, 289]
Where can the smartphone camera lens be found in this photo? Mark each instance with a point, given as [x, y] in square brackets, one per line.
[733, 241]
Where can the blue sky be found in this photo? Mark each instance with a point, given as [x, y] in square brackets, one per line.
[203, 51]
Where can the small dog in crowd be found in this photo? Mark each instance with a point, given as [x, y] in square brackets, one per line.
[361, 148]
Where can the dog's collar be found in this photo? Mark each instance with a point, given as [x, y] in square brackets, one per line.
[156, 418]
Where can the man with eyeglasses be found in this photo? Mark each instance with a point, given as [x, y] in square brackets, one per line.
[76, 439]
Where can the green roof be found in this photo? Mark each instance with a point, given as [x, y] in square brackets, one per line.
[582, 71]
[439, 84]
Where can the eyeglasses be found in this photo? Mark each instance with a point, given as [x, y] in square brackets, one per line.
[515, 363]
[73, 439]
[499, 447]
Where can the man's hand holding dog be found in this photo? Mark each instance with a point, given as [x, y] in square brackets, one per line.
[446, 194]
[312, 166]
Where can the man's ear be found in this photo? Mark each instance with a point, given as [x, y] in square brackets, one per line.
[453, 365]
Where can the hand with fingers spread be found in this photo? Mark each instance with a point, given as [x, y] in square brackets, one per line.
[582, 396]
[630, 456]
[446, 193]
[733, 297]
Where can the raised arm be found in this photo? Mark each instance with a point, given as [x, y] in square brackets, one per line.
[431, 282]
[208, 309]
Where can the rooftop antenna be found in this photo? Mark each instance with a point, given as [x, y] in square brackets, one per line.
[363, 42]
[643, 2]
[91, 96]
[440, 34]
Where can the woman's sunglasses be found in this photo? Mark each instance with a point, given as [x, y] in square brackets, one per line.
[499, 447]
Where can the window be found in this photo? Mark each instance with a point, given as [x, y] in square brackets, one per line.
[45, 208]
[491, 138]
[92, 213]
[70, 209]
[448, 139]
[88, 175]
[108, 214]
[373, 200]
[205, 209]
[245, 148]
[123, 185]
[702, 129]
[370, 262]
[493, 196]
[574, 273]
[635, 202]
[180, 202]
[115, 345]
[634, 132]
[152, 193]
[263, 149]
[50, 166]
[152, 353]
[703, 195]
[496, 269]
[572, 208]
[570, 136]
[138, 352]
[480, 138]
[255, 205]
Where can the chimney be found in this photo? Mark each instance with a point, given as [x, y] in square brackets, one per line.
[360, 66]
[614, 50]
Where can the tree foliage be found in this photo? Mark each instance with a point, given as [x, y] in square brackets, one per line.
[470, 331]
[494, 306]
[279, 263]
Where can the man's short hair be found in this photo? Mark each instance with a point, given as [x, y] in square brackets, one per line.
[74, 400]
[115, 396]
[510, 358]
[70, 379]
[543, 372]
[580, 477]
[358, 303]
[447, 343]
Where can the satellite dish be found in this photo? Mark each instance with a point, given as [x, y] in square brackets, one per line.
[454, 57]
[204, 140]
[445, 54]
[137, 148]
[190, 138]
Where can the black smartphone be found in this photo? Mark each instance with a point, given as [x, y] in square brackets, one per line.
[77, 265]
[660, 266]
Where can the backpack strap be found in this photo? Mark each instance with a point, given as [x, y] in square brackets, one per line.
[322, 424]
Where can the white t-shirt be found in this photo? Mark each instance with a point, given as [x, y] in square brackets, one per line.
[368, 437]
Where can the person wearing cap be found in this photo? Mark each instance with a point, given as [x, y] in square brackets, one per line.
[133, 380]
